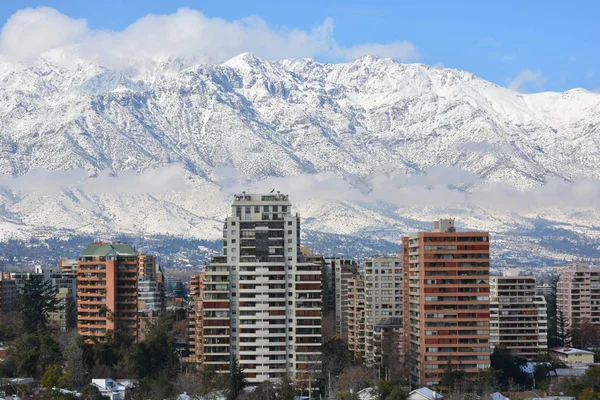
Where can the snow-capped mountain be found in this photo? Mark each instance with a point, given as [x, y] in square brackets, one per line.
[370, 148]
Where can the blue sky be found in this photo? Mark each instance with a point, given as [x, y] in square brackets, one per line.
[529, 45]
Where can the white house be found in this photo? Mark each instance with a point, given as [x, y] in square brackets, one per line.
[424, 394]
[109, 388]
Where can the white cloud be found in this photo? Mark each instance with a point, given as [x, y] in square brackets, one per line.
[436, 187]
[167, 178]
[597, 90]
[186, 33]
[402, 51]
[30, 32]
[527, 78]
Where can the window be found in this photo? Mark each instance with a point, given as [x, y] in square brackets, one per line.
[266, 208]
[284, 208]
[232, 223]
[289, 222]
[256, 209]
[290, 249]
[232, 240]
[289, 232]
[289, 240]
[275, 208]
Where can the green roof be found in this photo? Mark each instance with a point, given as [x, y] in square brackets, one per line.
[106, 249]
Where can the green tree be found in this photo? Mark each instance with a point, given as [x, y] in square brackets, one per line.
[37, 301]
[157, 355]
[30, 354]
[52, 376]
[91, 392]
[508, 367]
[237, 380]
[588, 394]
[562, 331]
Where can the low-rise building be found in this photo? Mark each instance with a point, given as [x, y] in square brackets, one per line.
[570, 355]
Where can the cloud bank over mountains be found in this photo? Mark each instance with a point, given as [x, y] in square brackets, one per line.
[187, 34]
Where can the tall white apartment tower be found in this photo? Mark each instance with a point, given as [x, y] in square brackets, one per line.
[262, 300]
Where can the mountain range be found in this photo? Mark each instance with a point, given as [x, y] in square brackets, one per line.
[369, 149]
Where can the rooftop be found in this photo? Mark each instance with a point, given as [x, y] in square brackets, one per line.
[98, 249]
[571, 350]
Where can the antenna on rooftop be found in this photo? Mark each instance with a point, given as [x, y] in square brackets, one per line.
[272, 191]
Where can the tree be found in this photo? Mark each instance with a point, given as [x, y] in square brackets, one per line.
[91, 392]
[30, 354]
[71, 313]
[79, 360]
[36, 303]
[508, 367]
[237, 380]
[562, 331]
[52, 376]
[355, 378]
[588, 394]
[583, 334]
[454, 380]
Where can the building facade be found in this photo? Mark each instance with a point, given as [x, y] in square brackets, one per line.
[446, 312]
[342, 271]
[577, 294]
[518, 316]
[8, 292]
[383, 303]
[262, 300]
[107, 291]
[356, 316]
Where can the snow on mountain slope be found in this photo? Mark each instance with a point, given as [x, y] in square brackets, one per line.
[289, 118]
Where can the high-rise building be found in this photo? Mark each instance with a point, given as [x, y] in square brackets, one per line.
[65, 285]
[577, 294]
[194, 329]
[262, 301]
[107, 294]
[147, 266]
[383, 303]
[447, 308]
[8, 292]
[342, 271]
[518, 316]
[356, 316]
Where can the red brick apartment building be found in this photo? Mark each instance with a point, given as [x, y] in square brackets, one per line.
[447, 307]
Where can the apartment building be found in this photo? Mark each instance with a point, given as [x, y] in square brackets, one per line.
[65, 285]
[578, 293]
[383, 302]
[518, 316]
[147, 266]
[262, 300]
[68, 265]
[194, 329]
[446, 312]
[342, 271]
[356, 316]
[8, 292]
[107, 291]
